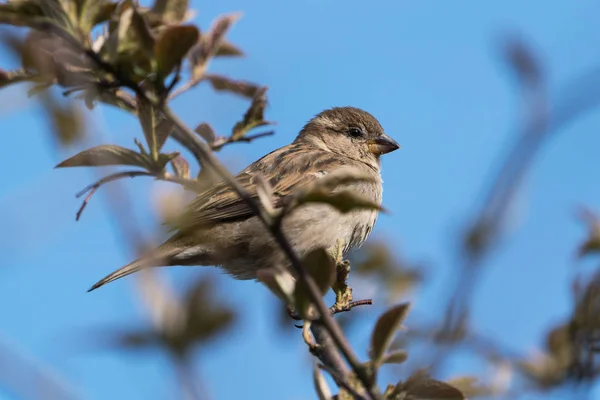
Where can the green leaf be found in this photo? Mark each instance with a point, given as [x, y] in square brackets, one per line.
[107, 154]
[385, 329]
[254, 116]
[173, 45]
[321, 267]
[171, 11]
[321, 386]
[135, 39]
[395, 357]
[242, 88]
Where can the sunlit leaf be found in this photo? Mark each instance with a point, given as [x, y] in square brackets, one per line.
[107, 154]
[173, 45]
[385, 329]
[171, 11]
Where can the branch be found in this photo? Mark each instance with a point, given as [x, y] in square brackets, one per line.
[186, 86]
[342, 382]
[219, 143]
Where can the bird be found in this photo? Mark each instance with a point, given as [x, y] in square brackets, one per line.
[217, 228]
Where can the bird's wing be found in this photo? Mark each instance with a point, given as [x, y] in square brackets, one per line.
[286, 169]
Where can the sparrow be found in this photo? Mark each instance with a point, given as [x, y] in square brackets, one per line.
[218, 229]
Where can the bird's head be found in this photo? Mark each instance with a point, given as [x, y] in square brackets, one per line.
[351, 132]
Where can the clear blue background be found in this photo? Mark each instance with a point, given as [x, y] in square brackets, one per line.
[430, 71]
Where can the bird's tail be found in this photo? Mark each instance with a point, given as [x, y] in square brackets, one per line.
[172, 252]
[128, 269]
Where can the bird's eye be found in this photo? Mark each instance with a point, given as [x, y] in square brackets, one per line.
[355, 132]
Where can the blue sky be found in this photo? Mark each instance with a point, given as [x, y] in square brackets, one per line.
[430, 71]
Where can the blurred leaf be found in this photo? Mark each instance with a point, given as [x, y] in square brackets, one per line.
[281, 283]
[209, 44]
[321, 191]
[264, 190]
[173, 45]
[395, 357]
[107, 154]
[171, 11]
[385, 329]
[344, 201]
[206, 132]
[226, 49]
[254, 116]
[420, 387]
[206, 317]
[67, 124]
[321, 386]
[469, 387]
[343, 176]
[242, 88]
[181, 167]
[321, 267]
[31, 12]
[591, 245]
[135, 340]
[96, 12]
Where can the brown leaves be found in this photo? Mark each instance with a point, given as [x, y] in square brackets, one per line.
[421, 387]
[172, 46]
[209, 44]
[242, 88]
[254, 116]
[107, 154]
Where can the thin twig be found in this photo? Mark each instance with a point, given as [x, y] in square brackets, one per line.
[219, 143]
[335, 309]
[186, 86]
[96, 185]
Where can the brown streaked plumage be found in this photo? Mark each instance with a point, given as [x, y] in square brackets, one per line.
[217, 228]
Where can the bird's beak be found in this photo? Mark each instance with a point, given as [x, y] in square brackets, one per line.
[382, 144]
